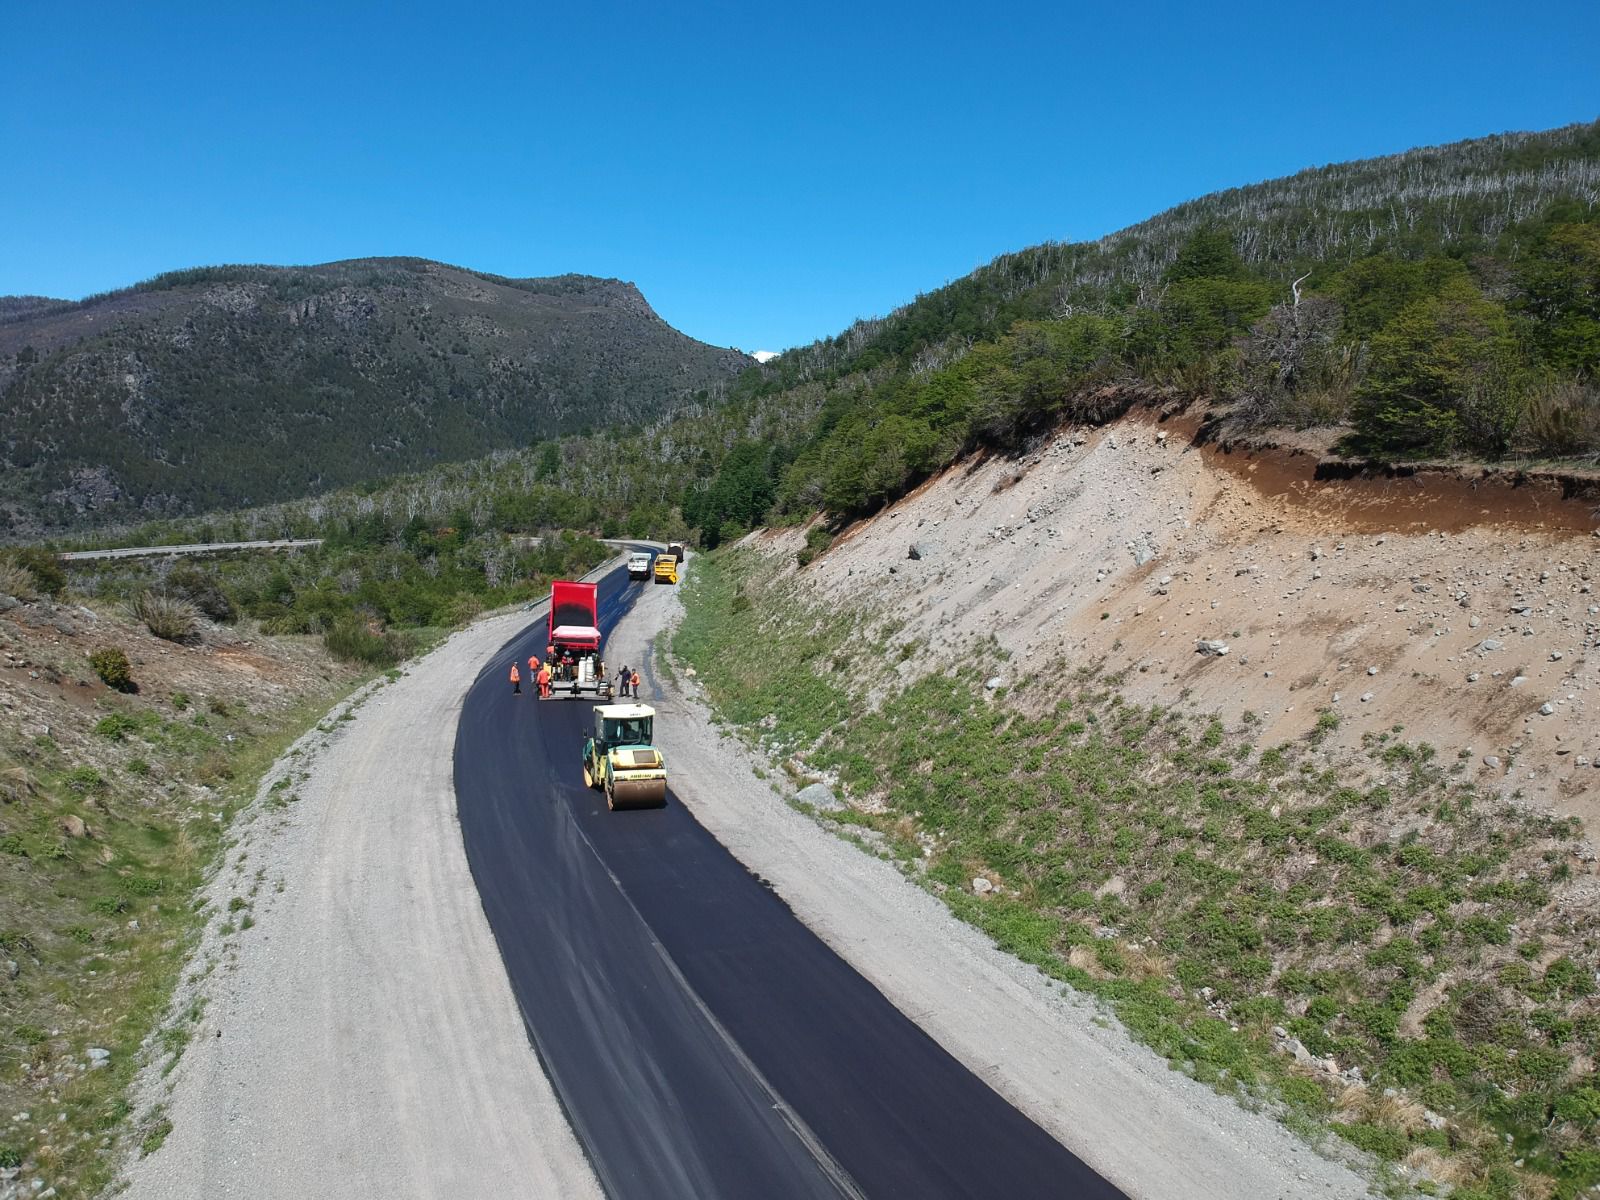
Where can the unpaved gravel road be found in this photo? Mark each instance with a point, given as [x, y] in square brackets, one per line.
[1153, 1132]
[361, 1039]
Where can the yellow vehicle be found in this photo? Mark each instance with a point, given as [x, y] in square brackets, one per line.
[619, 760]
[666, 569]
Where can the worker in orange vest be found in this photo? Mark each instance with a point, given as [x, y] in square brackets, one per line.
[633, 682]
[516, 680]
[533, 666]
[544, 683]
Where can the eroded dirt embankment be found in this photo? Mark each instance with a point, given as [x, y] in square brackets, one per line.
[1462, 609]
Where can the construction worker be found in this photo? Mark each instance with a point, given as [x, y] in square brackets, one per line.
[516, 680]
[533, 665]
[633, 682]
[622, 680]
[544, 683]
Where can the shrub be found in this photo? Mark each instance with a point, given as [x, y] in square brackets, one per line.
[1444, 376]
[818, 540]
[1561, 417]
[43, 566]
[84, 779]
[112, 665]
[352, 641]
[166, 616]
[16, 580]
[203, 590]
[463, 609]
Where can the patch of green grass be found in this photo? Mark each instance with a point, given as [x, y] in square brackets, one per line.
[101, 926]
[155, 1136]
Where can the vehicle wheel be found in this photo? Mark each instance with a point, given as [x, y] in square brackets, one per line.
[611, 800]
[588, 779]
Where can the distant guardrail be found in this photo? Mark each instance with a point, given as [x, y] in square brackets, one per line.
[192, 548]
[270, 544]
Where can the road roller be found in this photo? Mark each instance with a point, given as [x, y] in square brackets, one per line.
[619, 760]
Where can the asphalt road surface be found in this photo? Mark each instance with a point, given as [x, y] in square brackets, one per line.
[703, 1041]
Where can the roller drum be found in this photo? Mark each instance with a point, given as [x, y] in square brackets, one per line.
[637, 793]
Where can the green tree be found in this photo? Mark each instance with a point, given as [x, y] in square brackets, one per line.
[1208, 253]
[1373, 291]
[1446, 375]
[1561, 290]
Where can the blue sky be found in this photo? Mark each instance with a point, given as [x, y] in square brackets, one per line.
[764, 173]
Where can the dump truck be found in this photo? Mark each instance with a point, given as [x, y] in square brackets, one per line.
[676, 549]
[639, 565]
[666, 569]
[573, 647]
[619, 759]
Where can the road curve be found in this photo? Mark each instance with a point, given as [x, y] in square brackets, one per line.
[702, 1040]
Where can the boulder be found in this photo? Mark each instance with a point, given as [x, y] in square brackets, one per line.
[820, 797]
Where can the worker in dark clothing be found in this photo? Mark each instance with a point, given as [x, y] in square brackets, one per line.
[622, 681]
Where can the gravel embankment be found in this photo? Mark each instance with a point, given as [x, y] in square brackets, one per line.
[361, 1039]
[1152, 1131]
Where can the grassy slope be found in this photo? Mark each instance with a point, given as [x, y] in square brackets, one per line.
[100, 926]
[1225, 897]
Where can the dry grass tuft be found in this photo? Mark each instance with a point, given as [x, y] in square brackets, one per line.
[17, 581]
[166, 616]
[1145, 963]
[1398, 1111]
[1440, 1168]
[1085, 960]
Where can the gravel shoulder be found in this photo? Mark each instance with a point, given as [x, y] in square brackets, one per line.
[1150, 1130]
[360, 1039]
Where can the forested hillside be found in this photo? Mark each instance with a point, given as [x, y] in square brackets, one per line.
[231, 386]
[1439, 303]
[1443, 303]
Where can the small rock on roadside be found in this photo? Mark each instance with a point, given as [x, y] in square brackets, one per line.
[819, 796]
[981, 886]
[1211, 646]
[98, 1057]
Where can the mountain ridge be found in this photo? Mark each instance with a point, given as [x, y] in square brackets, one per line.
[240, 384]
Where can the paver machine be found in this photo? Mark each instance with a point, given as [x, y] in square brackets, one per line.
[574, 641]
[619, 759]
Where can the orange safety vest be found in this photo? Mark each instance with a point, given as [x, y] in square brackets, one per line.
[516, 676]
[634, 681]
[533, 663]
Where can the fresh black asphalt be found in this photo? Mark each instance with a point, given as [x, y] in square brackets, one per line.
[704, 1042]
